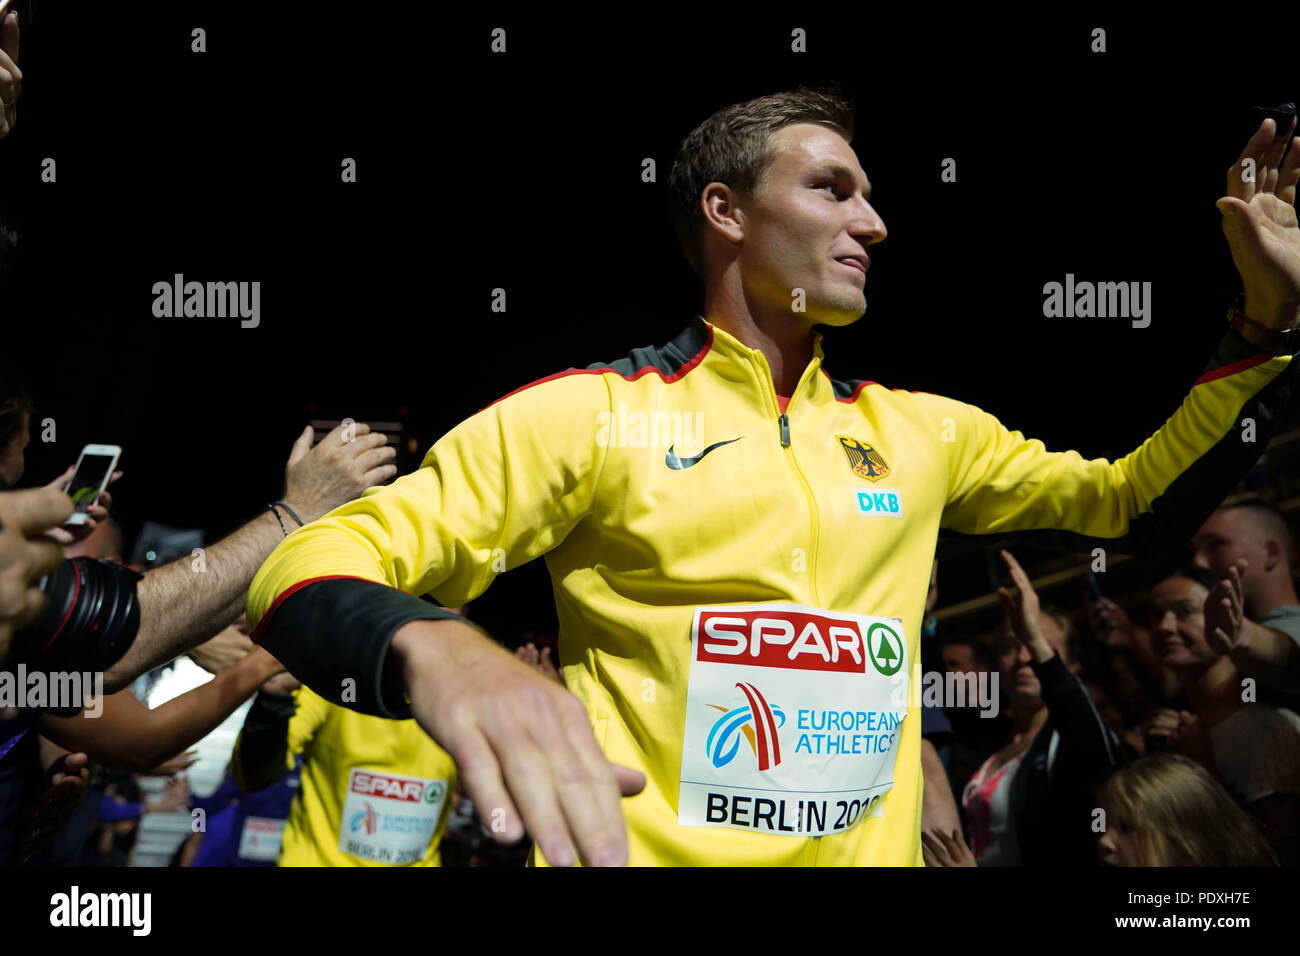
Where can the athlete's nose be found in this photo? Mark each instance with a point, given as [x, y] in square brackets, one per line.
[867, 226]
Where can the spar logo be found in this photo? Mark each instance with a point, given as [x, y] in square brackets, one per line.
[365, 819]
[757, 720]
[789, 637]
[885, 647]
[393, 787]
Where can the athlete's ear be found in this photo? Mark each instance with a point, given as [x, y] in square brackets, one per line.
[722, 212]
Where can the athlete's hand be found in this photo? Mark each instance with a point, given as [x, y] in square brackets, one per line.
[523, 745]
[1259, 219]
[348, 460]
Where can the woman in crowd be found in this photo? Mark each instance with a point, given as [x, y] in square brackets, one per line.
[1031, 802]
[1252, 748]
[1166, 810]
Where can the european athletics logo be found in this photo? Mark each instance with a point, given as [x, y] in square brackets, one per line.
[757, 721]
[366, 818]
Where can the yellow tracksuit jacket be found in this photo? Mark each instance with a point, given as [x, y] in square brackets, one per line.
[740, 590]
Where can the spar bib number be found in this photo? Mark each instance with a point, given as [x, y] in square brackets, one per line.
[793, 718]
[388, 818]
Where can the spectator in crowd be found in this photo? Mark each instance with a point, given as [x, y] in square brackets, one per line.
[120, 810]
[1252, 747]
[962, 654]
[1031, 802]
[124, 734]
[1251, 538]
[26, 556]
[1134, 666]
[976, 735]
[180, 609]
[16, 409]
[127, 734]
[59, 791]
[1166, 810]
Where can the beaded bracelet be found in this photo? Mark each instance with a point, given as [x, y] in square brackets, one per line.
[276, 512]
[291, 512]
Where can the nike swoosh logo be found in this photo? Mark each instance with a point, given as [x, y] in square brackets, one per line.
[677, 464]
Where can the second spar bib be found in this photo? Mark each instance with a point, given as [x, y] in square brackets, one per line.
[389, 818]
[793, 718]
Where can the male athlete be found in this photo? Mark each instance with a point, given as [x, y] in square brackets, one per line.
[739, 606]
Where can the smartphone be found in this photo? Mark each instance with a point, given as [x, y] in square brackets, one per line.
[94, 468]
[1093, 585]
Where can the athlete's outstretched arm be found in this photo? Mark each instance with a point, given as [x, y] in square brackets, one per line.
[336, 602]
[1154, 499]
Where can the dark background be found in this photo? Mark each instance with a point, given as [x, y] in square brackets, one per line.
[523, 171]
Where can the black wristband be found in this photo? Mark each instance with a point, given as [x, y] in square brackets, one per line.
[334, 634]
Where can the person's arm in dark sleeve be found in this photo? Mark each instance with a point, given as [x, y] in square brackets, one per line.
[1093, 747]
[261, 752]
[1151, 501]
